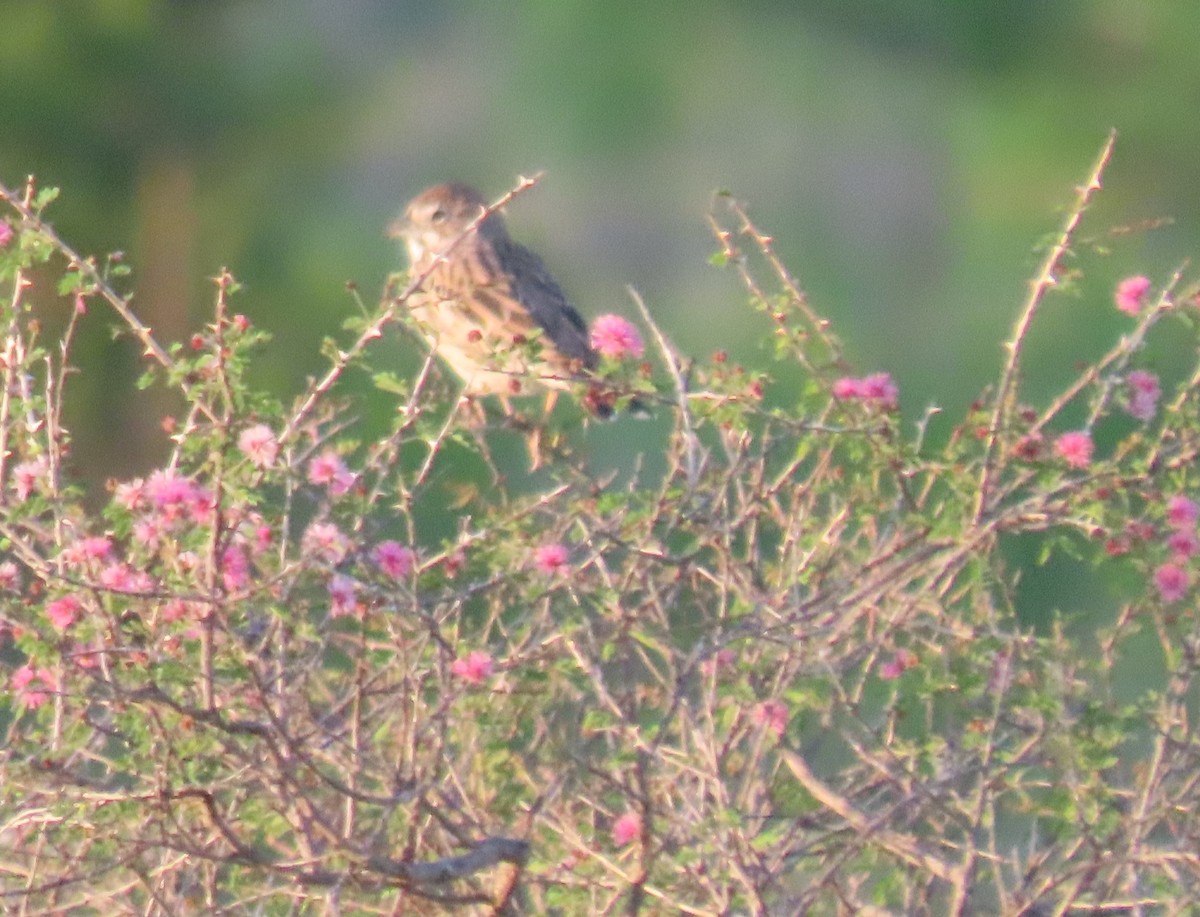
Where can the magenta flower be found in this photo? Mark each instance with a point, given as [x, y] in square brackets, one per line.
[847, 389]
[1183, 543]
[773, 714]
[613, 336]
[1172, 582]
[474, 668]
[33, 686]
[394, 559]
[62, 611]
[551, 558]
[1182, 512]
[79, 553]
[1131, 294]
[6, 233]
[1075, 448]
[626, 829]
[258, 443]
[897, 665]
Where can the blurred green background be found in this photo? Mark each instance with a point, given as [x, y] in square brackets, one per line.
[909, 156]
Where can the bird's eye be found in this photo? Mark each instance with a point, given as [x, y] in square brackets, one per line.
[437, 216]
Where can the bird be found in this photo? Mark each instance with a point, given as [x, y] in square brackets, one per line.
[490, 308]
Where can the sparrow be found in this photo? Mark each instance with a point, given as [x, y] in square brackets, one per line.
[484, 304]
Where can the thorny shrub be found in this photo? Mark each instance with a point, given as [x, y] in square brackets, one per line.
[784, 675]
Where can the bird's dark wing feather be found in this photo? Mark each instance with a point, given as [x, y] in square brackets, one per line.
[546, 303]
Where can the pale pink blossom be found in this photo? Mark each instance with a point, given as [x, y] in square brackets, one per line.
[1131, 294]
[879, 389]
[394, 559]
[613, 336]
[1075, 448]
[130, 494]
[343, 595]
[148, 531]
[27, 475]
[80, 552]
[1172, 582]
[329, 470]
[773, 714]
[121, 577]
[474, 668]
[6, 233]
[258, 443]
[551, 558]
[326, 541]
[10, 576]
[33, 686]
[626, 829]
[62, 611]
[235, 568]
[1143, 395]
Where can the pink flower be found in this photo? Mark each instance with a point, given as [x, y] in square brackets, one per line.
[847, 389]
[10, 576]
[613, 336]
[626, 829]
[343, 594]
[551, 558]
[175, 497]
[773, 714]
[262, 538]
[1172, 582]
[6, 233]
[173, 610]
[80, 553]
[897, 665]
[1182, 512]
[1183, 543]
[33, 686]
[326, 541]
[62, 611]
[722, 659]
[26, 477]
[1075, 448]
[130, 494]
[259, 444]
[329, 469]
[1131, 294]
[122, 578]
[878, 388]
[148, 531]
[881, 389]
[1144, 392]
[474, 669]
[394, 559]
[235, 568]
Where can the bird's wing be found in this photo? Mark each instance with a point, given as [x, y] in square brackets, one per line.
[547, 305]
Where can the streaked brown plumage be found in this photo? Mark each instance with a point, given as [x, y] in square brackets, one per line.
[488, 298]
